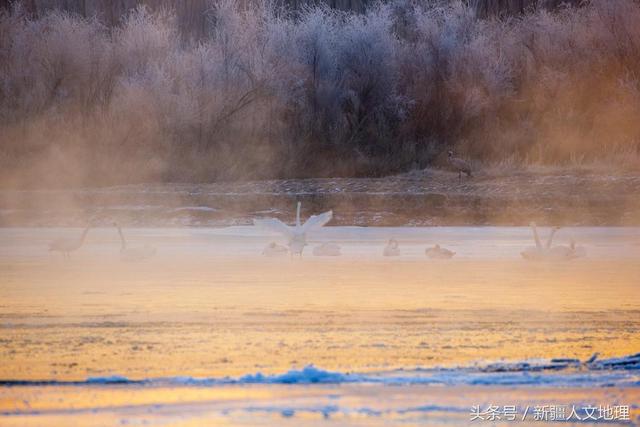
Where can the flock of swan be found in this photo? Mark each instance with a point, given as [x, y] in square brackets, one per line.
[66, 245]
[296, 237]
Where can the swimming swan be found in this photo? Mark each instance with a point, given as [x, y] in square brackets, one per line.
[134, 254]
[296, 234]
[578, 251]
[437, 252]
[549, 252]
[327, 249]
[392, 248]
[569, 252]
[274, 249]
[65, 245]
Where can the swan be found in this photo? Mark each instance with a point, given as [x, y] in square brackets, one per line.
[392, 248]
[538, 251]
[578, 251]
[438, 252]
[133, 254]
[274, 249]
[65, 245]
[551, 234]
[569, 252]
[296, 234]
[327, 249]
[549, 252]
[558, 252]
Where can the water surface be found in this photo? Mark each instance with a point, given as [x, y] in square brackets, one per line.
[199, 333]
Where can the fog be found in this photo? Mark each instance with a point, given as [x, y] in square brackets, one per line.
[150, 171]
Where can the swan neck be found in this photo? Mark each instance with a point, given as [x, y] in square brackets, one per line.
[123, 244]
[535, 236]
[84, 235]
[550, 239]
[298, 214]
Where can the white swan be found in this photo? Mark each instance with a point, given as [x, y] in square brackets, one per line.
[296, 234]
[569, 252]
[134, 254]
[578, 251]
[327, 249]
[392, 248]
[439, 253]
[538, 251]
[549, 252]
[65, 245]
[274, 249]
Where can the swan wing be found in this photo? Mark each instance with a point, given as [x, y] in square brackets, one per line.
[274, 225]
[317, 221]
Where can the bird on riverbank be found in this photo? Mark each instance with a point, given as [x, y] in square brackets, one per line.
[438, 252]
[66, 245]
[459, 165]
[133, 254]
[296, 234]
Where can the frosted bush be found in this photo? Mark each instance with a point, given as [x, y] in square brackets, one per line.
[269, 92]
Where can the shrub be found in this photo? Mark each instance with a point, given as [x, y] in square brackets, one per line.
[272, 93]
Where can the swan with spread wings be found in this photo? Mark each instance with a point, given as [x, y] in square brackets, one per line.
[296, 234]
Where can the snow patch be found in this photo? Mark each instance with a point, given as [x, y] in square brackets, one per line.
[308, 375]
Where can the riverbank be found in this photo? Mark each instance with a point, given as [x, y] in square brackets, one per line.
[421, 198]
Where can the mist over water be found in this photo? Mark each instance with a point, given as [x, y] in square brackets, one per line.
[136, 154]
[232, 332]
[210, 304]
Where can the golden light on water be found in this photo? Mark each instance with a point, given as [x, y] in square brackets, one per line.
[209, 306]
[206, 315]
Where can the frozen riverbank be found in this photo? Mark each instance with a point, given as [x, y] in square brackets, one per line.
[316, 405]
[429, 197]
